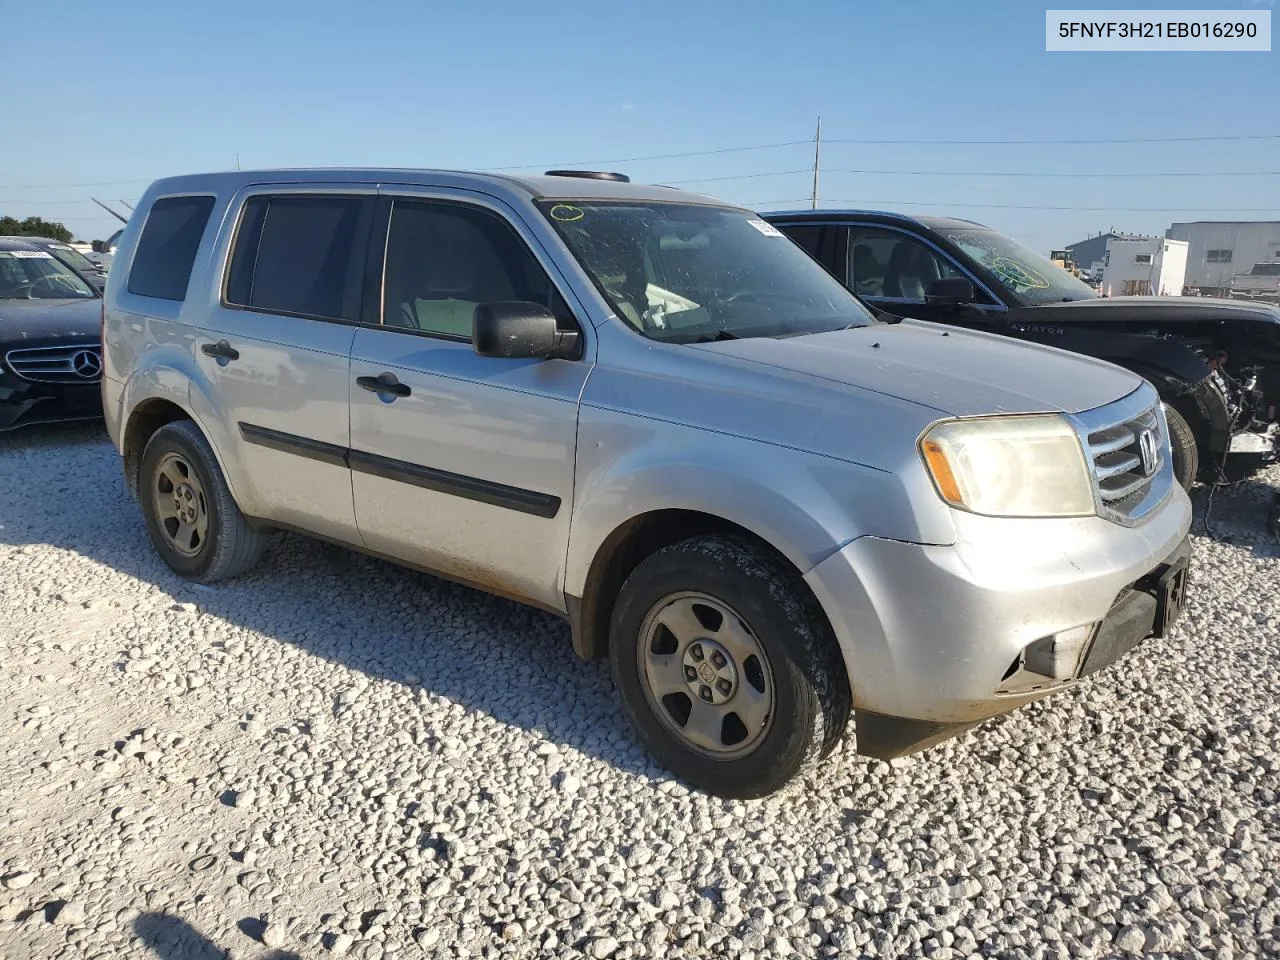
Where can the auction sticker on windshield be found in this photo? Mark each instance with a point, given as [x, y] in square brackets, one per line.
[29, 254]
[768, 229]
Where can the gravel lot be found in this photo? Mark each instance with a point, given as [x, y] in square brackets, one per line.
[335, 756]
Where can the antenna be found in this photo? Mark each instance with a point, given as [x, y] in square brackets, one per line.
[109, 210]
[817, 156]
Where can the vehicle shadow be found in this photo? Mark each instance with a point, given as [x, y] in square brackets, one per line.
[64, 488]
[171, 938]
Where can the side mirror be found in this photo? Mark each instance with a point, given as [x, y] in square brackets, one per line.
[524, 330]
[951, 290]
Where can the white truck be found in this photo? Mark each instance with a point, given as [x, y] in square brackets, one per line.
[1260, 283]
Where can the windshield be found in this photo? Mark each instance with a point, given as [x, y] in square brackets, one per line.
[36, 275]
[1266, 270]
[1031, 278]
[73, 257]
[684, 273]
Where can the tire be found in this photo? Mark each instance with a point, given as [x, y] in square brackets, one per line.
[179, 481]
[742, 598]
[1186, 452]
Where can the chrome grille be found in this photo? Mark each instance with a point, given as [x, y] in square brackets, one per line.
[64, 364]
[1128, 446]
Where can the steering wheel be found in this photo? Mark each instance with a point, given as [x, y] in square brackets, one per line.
[53, 282]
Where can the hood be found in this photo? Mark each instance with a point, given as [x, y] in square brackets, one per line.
[1162, 309]
[956, 372]
[22, 320]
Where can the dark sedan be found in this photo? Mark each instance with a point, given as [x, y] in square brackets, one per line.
[50, 340]
[94, 274]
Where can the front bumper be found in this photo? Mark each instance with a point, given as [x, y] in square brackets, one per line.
[40, 381]
[23, 403]
[930, 634]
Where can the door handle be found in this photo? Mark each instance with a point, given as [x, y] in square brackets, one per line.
[384, 383]
[220, 351]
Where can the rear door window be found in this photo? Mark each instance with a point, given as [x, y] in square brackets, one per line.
[300, 255]
[167, 248]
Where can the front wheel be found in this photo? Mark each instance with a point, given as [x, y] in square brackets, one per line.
[726, 666]
[1182, 441]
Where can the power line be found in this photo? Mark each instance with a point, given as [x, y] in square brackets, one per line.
[980, 173]
[772, 146]
[654, 156]
[54, 186]
[40, 201]
[1021, 206]
[1056, 142]
[902, 142]
[1005, 173]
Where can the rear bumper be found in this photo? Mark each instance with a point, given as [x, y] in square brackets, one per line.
[934, 637]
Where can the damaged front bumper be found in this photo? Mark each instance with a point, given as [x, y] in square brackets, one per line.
[937, 639]
[25, 402]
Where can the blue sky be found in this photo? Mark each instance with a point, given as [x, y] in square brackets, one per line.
[149, 89]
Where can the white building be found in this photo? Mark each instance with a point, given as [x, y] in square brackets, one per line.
[1220, 249]
[1144, 266]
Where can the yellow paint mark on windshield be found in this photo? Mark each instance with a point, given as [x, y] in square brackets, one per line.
[1018, 274]
[567, 212]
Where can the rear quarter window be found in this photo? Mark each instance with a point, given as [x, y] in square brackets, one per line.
[167, 248]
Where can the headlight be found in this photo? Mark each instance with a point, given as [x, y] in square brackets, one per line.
[1031, 466]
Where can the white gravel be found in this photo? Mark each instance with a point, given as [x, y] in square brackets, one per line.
[334, 756]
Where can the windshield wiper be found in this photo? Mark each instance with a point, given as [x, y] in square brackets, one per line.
[718, 335]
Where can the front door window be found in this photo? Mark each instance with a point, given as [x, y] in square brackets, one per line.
[891, 265]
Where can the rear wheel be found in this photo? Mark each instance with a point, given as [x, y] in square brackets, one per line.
[726, 666]
[191, 517]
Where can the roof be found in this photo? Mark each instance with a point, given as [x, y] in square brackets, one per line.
[825, 215]
[1228, 223]
[17, 243]
[829, 214]
[37, 240]
[535, 187]
[1113, 235]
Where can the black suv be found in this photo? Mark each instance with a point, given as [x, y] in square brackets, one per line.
[1216, 363]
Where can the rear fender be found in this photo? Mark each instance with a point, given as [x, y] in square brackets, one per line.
[170, 373]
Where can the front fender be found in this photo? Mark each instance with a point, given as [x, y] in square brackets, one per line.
[806, 506]
[1172, 366]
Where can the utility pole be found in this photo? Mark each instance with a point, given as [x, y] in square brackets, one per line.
[817, 155]
[237, 161]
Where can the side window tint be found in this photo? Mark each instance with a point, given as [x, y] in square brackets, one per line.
[806, 238]
[444, 259]
[167, 248]
[885, 263]
[298, 255]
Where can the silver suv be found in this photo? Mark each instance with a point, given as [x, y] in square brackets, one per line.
[651, 413]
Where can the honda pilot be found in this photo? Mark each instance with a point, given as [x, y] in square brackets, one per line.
[650, 413]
